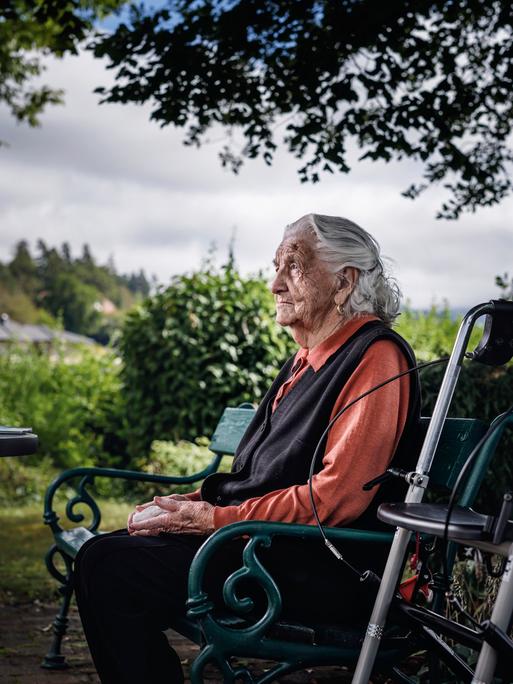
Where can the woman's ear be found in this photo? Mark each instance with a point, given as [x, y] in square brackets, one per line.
[347, 280]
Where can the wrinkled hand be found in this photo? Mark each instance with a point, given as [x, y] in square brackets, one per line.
[147, 504]
[173, 514]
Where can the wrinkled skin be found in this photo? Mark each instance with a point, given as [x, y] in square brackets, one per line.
[177, 515]
[306, 294]
[306, 291]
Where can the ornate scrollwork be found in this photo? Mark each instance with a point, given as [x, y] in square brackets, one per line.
[230, 674]
[52, 568]
[253, 569]
[83, 496]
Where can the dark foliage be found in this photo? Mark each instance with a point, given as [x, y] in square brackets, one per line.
[505, 284]
[482, 392]
[428, 80]
[31, 28]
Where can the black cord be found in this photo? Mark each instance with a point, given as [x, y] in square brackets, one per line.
[319, 446]
[452, 500]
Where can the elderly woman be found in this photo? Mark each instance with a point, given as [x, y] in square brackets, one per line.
[332, 293]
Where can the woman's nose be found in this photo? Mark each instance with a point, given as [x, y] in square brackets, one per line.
[278, 283]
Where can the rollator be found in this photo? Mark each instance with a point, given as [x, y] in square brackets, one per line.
[488, 533]
[495, 348]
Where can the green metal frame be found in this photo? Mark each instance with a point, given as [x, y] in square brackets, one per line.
[67, 543]
[229, 632]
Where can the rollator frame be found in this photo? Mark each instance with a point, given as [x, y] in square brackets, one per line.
[495, 348]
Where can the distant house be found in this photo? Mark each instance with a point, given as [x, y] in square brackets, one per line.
[38, 335]
[105, 307]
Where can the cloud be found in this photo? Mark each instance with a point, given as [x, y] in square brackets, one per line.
[108, 176]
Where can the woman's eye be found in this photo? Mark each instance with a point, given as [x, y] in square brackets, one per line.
[293, 266]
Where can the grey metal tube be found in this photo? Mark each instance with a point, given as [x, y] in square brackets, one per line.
[501, 615]
[415, 493]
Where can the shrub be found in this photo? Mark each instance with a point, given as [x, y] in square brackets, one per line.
[177, 458]
[24, 484]
[72, 403]
[207, 340]
[431, 333]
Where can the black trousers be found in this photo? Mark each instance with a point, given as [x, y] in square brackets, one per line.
[129, 588]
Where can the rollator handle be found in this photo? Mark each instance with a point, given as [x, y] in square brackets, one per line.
[495, 348]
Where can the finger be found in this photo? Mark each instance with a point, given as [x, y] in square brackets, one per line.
[168, 504]
[143, 506]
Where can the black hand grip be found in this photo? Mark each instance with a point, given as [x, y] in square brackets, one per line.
[495, 347]
[502, 306]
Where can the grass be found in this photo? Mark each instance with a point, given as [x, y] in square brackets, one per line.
[24, 541]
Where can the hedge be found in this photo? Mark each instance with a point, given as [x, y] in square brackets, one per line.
[206, 341]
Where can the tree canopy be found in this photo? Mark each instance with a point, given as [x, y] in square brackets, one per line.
[30, 29]
[428, 80]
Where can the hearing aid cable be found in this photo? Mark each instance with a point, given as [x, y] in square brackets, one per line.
[319, 446]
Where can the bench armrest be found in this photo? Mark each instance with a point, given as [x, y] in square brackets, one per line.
[260, 534]
[86, 477]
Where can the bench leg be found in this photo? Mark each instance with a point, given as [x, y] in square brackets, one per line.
[54, 660]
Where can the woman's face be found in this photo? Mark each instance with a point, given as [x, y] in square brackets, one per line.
[303, 287]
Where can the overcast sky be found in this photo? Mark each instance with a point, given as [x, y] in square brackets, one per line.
[107, 176]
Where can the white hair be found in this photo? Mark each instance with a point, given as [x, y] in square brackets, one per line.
[342, 243]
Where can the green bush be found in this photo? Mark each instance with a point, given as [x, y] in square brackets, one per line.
[23, 484]
[73, 403]
[208, 340]
[432, 333]
[177, 458]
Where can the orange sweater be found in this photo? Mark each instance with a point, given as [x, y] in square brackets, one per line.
[360, 445]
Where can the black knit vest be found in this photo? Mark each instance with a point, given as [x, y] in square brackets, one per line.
[276, 449]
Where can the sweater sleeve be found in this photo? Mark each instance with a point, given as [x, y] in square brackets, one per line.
[360, 446]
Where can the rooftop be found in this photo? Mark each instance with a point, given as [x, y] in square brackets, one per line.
[11, 331]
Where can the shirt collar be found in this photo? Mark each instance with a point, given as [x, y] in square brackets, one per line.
[318, 355]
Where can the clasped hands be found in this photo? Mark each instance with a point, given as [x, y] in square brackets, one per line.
[175, 514]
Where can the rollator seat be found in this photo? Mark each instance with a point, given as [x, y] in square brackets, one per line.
[430, 518]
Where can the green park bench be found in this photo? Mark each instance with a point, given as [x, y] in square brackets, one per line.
[230, 631]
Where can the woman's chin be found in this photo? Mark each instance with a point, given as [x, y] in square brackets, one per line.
[285, 318]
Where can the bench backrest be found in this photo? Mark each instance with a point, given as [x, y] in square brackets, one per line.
[458, 439]
[232, 425]
[459, 436]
